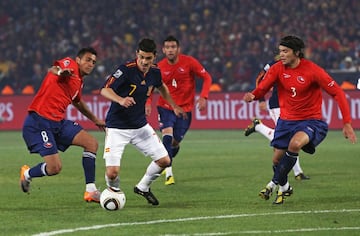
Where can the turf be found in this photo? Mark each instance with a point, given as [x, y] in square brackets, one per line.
[218, 176]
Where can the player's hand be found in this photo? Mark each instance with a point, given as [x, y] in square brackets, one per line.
[249, 97]
[263, 106]
[201, 104]
[127, 102]
[56, 70]
[349, 133]
[147, 110]
[100, 124]
[65, 72]
[179, 112]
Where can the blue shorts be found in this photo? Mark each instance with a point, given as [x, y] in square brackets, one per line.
[167, 118]
[46, 137]
[285, 130]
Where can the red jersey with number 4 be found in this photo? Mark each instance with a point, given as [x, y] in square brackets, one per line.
[299, 89]
[57, 93]
[180, 79]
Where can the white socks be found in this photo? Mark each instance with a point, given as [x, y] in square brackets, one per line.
[284, 188]
[91, 187]
[169, 171]
[296, 168]
[152, 173]
[265, 130]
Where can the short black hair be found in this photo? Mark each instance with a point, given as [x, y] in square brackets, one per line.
[86, 50]
[171, 38]
[295, 43]
[147, 45]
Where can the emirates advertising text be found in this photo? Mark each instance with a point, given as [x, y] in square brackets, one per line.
[224, 111]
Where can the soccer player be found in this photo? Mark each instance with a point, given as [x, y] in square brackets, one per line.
[179, 72]
[274, 112]
[128, 89]
[300, 127]
[46, 130]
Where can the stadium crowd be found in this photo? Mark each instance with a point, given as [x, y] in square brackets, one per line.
[232, 39]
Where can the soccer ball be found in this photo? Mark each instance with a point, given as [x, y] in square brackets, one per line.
[112, 200]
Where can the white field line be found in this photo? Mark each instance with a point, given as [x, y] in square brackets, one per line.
[94, 227]
[267, 231]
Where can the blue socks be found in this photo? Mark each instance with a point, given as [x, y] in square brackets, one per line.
[88, 162]
[167, 141]
[284, 167]
[38, 171]
[175, 151]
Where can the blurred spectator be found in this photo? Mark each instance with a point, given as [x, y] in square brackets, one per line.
[241, 77]
[348, 65]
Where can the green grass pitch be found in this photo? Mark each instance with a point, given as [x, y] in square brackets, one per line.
[218, 176]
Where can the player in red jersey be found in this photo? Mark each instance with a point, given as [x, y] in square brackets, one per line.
[274, 112]
[300, 127]
[46, 130]
[179, 72]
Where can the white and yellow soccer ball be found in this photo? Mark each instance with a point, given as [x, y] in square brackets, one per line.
[112, 200]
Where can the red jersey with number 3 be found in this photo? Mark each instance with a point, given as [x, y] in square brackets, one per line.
[180, 79]
[57, 93]
[299, 89]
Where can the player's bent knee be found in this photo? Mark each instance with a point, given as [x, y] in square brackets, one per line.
[112, 172]
[87, 141]
[295, 146]
[53, 170]
[164, 162]
[91, 145]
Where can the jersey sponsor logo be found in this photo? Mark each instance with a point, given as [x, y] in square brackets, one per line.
[181, 70]
[286, 76]
[48, 145]
[310, 129]
[118, 73]
[167, 73]
[66, 63]
[107, 149]
[331, 83]
[301, 80]
[143, 82]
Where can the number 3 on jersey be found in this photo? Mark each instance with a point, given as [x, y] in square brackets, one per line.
[293, 90]
[173, 83]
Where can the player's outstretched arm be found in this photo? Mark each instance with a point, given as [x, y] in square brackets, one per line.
[84, 109]
[349, 133]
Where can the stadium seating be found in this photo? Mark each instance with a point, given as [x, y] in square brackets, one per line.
[219, 33]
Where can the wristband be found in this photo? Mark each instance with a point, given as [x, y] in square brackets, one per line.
[59, 70]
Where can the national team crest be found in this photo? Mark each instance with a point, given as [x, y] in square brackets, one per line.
[301, 80]
[48, 145]
[66, 63]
